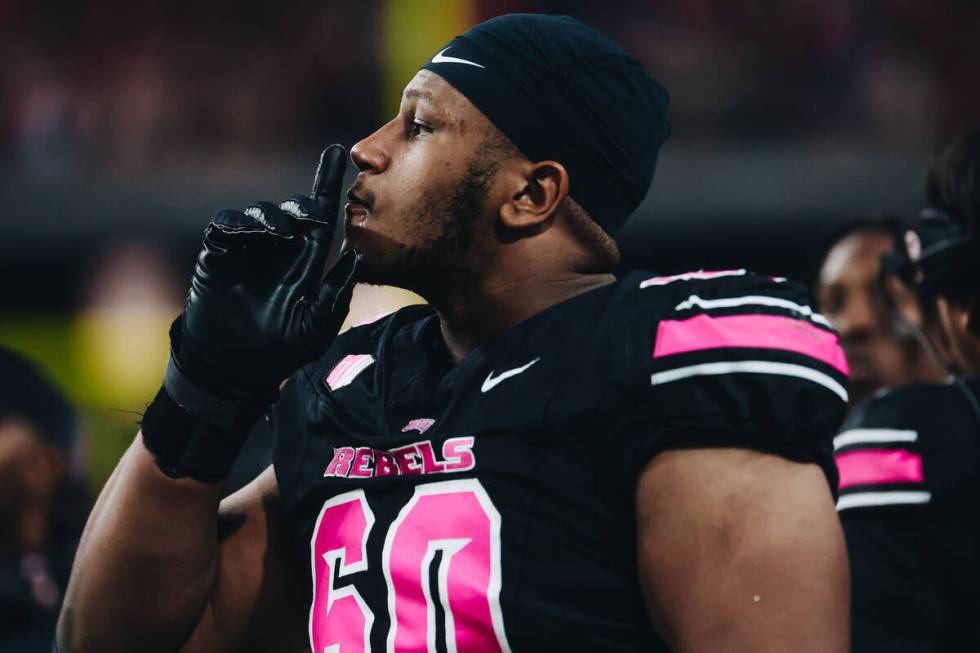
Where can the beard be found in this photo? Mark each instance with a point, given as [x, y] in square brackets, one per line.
[445, 228]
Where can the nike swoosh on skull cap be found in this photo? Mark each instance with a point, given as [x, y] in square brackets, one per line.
[441, 59]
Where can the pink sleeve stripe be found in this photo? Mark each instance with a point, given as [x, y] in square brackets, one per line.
[877, 466]
[762, 331]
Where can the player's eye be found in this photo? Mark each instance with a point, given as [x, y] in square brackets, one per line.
[416, 128]
[831, 302]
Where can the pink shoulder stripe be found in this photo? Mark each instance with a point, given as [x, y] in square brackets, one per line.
[877, 466]
[763, 331]
[347, 370]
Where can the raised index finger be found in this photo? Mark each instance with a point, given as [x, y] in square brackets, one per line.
[329, 180]
[322, 223]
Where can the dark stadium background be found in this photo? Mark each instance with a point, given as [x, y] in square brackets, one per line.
[124, 125]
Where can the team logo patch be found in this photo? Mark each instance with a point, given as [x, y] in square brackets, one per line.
[347, 370]
[421, 425]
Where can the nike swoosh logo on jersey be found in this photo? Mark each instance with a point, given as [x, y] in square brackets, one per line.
[441, 59]
[503, 376]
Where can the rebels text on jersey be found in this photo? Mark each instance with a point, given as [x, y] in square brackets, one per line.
[909, 463]
[488, 506]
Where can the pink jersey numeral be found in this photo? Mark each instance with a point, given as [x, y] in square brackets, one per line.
[458, 519]
[340, 620]
[455, 518]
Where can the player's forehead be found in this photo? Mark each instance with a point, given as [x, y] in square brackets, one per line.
[855, 257]
[432, 92]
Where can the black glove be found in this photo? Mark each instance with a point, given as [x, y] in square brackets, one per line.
[259, 305]
[259, 308]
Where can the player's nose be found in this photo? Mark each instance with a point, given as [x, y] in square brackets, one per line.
[857, 321]
[369, 154]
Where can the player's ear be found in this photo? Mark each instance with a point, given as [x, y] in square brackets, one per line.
[971, 309]
[540, 189]
[961, 318]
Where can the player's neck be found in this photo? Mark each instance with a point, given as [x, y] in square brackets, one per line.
[481, 314]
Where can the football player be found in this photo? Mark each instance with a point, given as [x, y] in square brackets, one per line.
[909, 459]
[882, 352]
[43, 502]
[544, 458]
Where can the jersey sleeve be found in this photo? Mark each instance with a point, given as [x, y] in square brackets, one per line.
[914, 446]
[879, 456]
[908, 463]
[734, 359]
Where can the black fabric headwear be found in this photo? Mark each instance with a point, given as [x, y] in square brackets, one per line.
[562, 91]
[937, 255]
[26, 393]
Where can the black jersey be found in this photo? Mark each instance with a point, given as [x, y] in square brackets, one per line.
[489, 506]
[909, 464]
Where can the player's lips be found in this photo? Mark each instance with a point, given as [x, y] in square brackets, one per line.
[861, 363]
[356, 209]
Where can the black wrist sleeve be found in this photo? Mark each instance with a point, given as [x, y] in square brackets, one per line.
[185, 446]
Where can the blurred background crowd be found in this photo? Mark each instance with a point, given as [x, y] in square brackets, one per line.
[125, 125]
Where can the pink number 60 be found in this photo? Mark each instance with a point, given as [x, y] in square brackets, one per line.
[340, 620]
[455, 518]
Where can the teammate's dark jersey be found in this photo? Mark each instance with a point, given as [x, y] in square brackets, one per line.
[909, 464]
[489, 506]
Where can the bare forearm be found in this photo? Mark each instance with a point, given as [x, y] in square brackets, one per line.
[146, 562]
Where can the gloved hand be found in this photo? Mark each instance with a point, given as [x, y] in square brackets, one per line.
[259, 305]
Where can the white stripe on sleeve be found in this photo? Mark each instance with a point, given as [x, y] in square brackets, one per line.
[750, 367]
[752, 300]
[688, 276]
[894, 498]
[873, 436]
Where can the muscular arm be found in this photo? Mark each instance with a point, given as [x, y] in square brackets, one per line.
[741, 551]
[162, 567]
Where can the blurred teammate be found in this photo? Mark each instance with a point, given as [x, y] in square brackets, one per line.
[881, 352]
[545, 458]
[42, 504]
[909, 460]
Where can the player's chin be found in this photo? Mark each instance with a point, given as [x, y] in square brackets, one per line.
[375, 266]
[357, 236]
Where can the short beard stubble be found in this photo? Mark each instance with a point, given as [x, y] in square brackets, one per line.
[438, 266]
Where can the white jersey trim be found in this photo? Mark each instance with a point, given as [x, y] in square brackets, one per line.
[752, 300]
[752, 367]
[688, 276]
[873, 436]
[894, 498]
